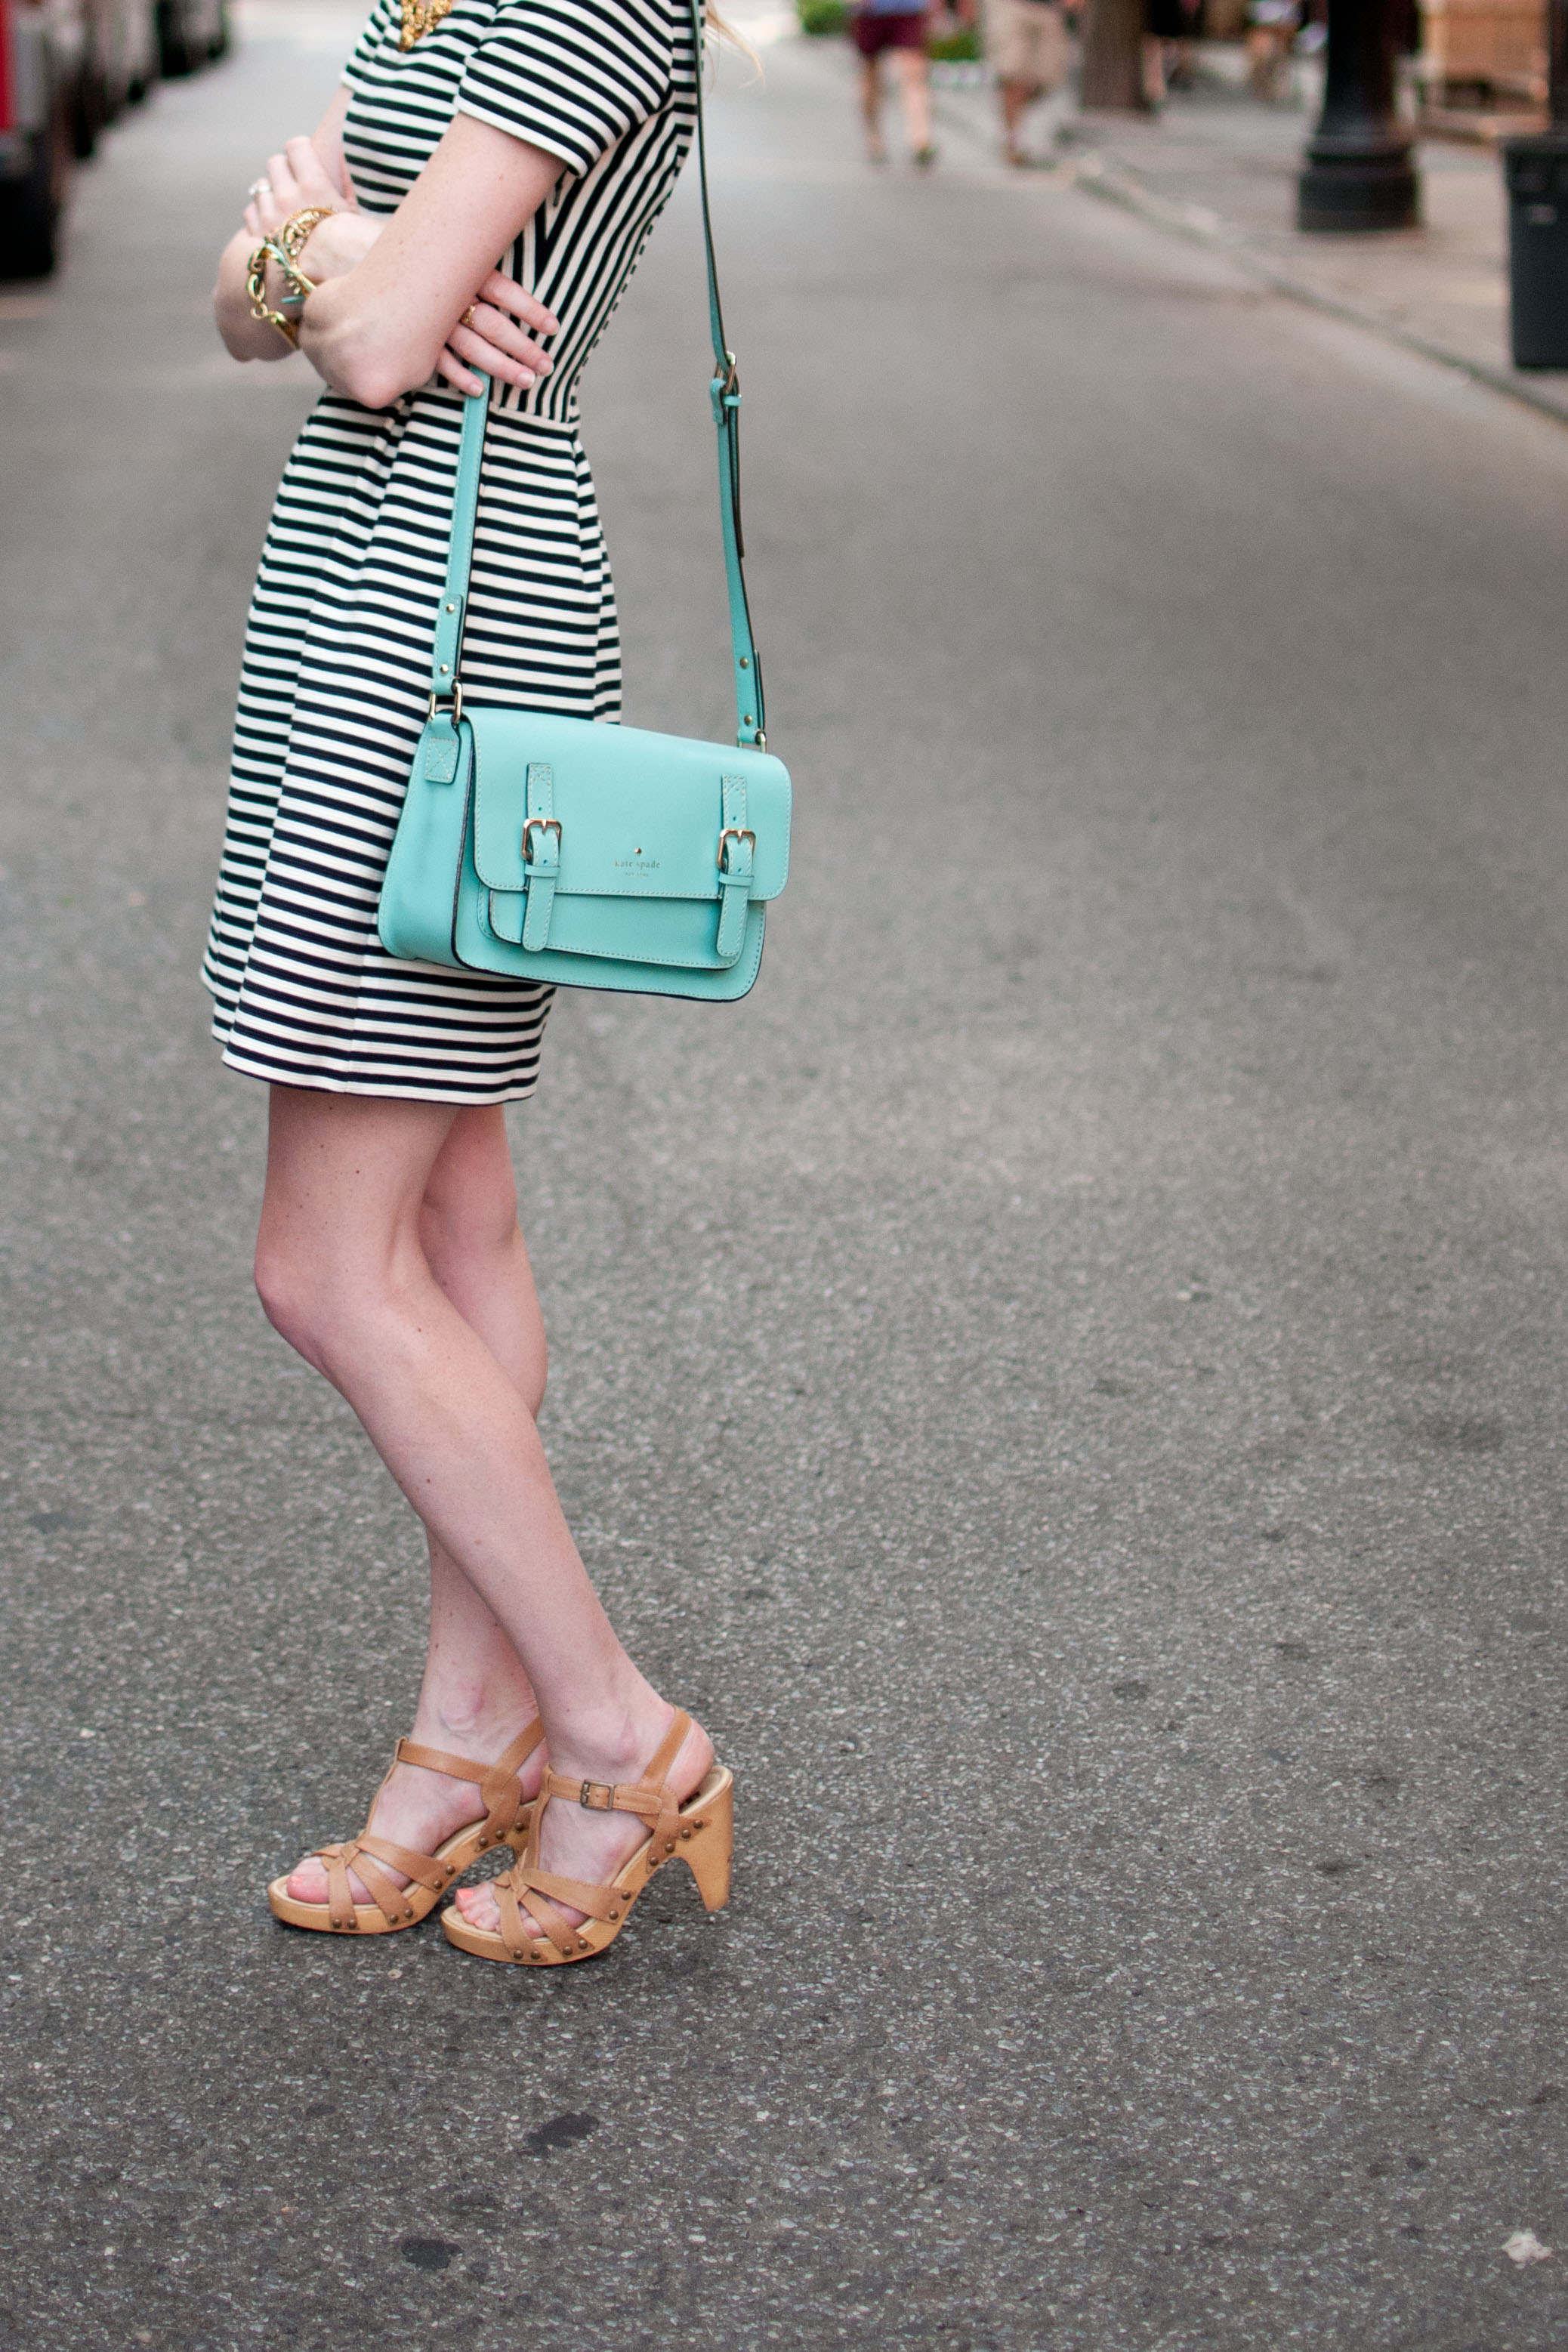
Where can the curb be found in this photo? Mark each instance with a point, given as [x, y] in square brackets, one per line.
[1199, 226]
[1090, 170]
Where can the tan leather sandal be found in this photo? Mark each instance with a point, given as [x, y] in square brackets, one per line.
[506, 1822]
[700, 1833]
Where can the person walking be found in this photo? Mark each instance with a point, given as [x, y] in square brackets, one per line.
[892, 28]
[389, 1252]
[1026, 45]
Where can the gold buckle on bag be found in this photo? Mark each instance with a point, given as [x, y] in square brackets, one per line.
[540, 824]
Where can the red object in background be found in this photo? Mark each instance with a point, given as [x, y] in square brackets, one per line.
[8, 68]
[41, 52]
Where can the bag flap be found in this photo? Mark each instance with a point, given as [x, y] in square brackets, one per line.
[641, 814]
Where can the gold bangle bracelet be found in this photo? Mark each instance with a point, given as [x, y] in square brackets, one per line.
[285, 246]
[256, 286]
[297, 229]
[296, 276]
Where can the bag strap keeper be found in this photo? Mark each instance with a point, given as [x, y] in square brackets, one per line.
[540, 855]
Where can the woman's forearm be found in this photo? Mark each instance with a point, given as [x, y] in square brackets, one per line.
[391, 294]
[378, 332]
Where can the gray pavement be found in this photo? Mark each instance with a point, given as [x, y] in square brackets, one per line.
[1218, 168]
[1065, 1379]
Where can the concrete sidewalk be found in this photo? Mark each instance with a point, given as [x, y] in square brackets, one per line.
[1218, 168]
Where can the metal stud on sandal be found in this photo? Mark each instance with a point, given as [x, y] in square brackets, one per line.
[506, 1822]
[700, 1833]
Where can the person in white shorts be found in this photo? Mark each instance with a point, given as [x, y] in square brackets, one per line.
[1027, 43]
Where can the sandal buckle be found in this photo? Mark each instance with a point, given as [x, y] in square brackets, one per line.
[597, 1797]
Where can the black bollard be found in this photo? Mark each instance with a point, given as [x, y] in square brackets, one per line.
[1359, 174]
[1535, 171]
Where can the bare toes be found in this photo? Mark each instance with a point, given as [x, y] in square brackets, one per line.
[479, 1907]
[309, 1883]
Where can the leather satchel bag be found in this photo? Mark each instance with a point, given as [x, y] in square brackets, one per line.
[582, 855]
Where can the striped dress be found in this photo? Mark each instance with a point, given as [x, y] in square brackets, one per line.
[336, 675]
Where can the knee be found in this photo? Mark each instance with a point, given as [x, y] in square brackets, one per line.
[320, 1312]
[290, 1299]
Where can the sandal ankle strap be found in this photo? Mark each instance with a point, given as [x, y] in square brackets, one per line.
[600, 1796]
[648, 1797]
[645, 1797]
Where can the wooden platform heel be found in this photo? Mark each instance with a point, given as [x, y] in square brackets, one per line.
[506, 1822]
[700, 1833]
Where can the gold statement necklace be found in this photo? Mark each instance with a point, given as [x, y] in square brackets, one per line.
[418, 16]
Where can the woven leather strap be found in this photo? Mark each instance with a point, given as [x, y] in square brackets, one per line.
[501, 1792]
[651, 1798]
[501, 1783]
[725, 392]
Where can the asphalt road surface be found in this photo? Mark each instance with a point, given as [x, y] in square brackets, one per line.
[1065, 1379]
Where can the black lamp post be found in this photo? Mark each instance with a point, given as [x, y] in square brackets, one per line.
[1536, 171]
[1359, 174]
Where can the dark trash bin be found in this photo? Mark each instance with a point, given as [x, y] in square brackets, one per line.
[1535, 171]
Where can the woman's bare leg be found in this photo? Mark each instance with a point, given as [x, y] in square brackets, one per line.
[914, 92]
[871, 109]
[474, 1696]
[1016, 98]
[343, 1270]
[474, 1247]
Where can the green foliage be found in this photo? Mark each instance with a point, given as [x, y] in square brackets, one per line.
[960, 46]
[823, 15]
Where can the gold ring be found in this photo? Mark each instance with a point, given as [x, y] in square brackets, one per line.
[467, 318]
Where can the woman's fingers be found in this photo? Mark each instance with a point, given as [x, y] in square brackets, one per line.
[310, 178]
[278, 198]
[289, 182]
[489, 339]
[450, 366]
[505, 294]
[512, 366]
[264, 217]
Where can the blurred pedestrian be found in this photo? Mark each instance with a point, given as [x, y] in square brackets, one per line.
[1180, 55]
[1026, 48]
[1272, 29]
[892, 28]
[1166, 27]
[389, 1252]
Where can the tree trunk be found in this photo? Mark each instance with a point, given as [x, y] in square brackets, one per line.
[1113, 58]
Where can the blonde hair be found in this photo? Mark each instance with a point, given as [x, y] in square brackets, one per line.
[713, 23]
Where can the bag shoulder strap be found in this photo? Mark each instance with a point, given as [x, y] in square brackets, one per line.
[725, 392]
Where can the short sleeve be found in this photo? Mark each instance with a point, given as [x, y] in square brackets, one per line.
[358, 71]
[570, 76]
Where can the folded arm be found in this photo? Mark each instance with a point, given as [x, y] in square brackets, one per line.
[391, 291]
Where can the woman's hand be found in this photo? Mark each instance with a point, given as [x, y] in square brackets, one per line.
[292, 181]
[308, 172]
[487, 336]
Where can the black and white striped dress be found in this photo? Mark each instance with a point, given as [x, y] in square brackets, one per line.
[336, 675]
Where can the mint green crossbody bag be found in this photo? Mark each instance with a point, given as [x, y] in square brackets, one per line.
[582, 855]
